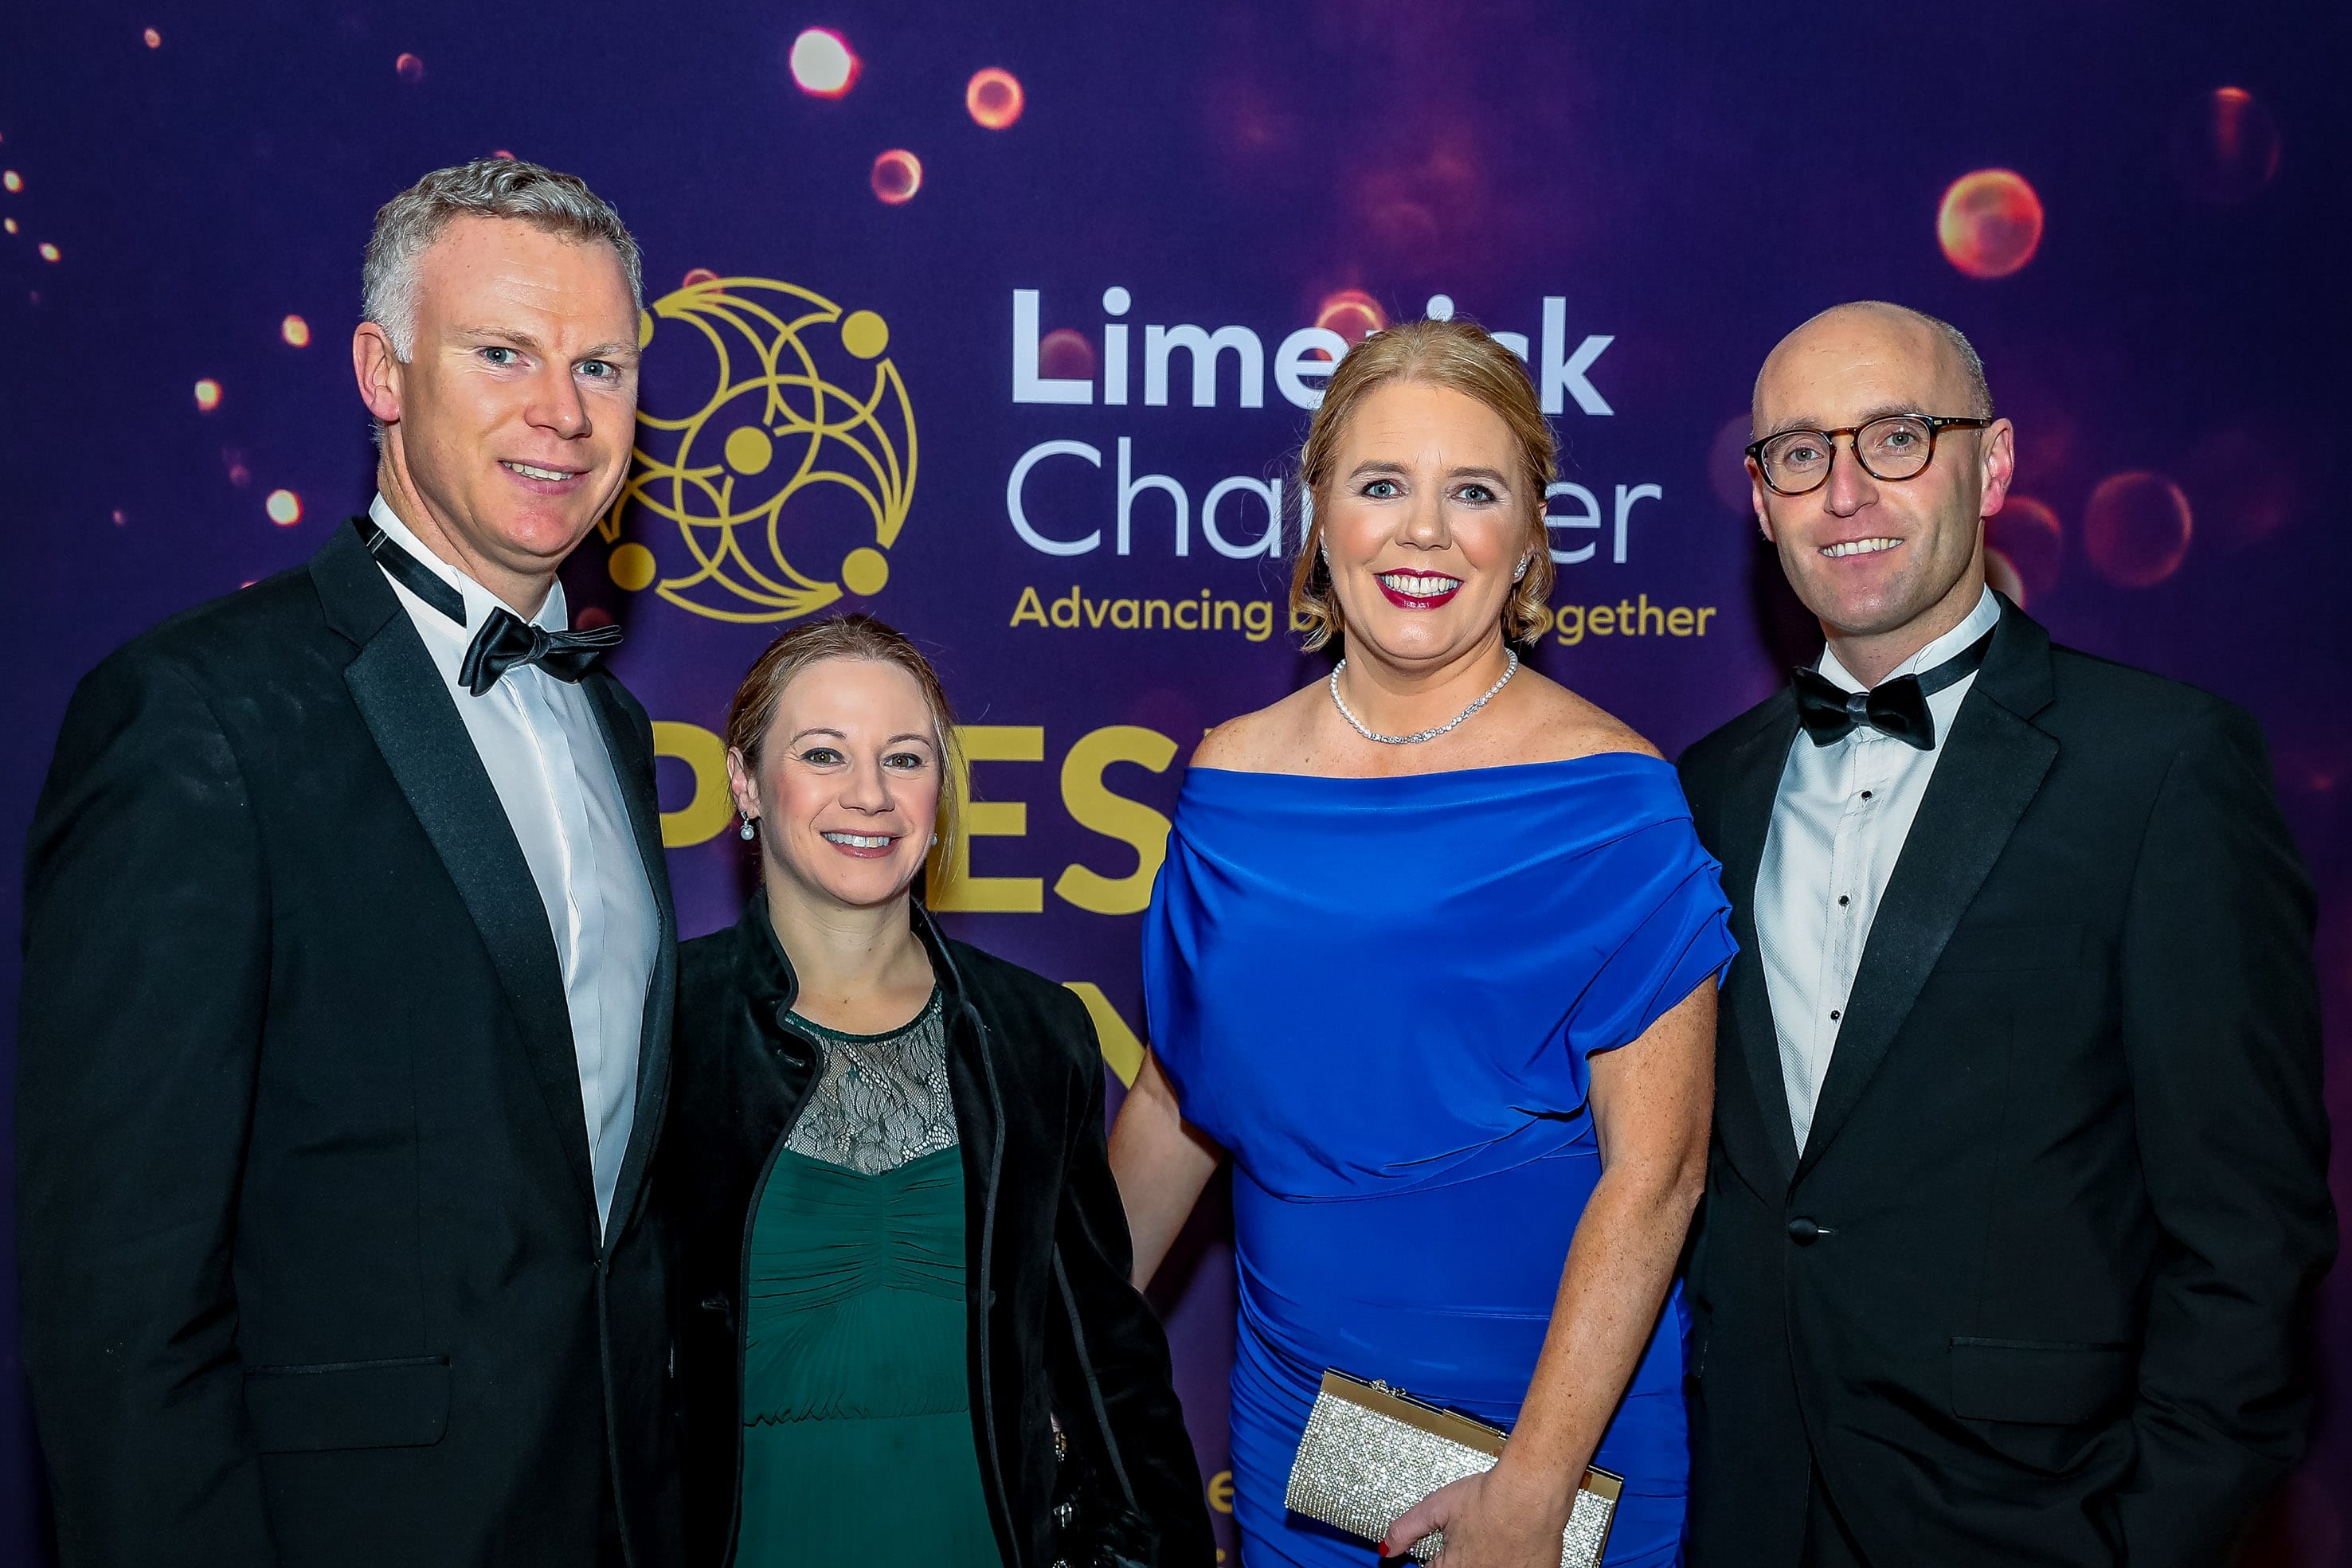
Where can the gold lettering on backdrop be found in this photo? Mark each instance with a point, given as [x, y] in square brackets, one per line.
[1091, 804]
[952, 885]
[712, 808]
[1253, 618]
[1121, 1047]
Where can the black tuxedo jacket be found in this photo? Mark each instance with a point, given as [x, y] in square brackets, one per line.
[2033, 1292]
[311, 1272]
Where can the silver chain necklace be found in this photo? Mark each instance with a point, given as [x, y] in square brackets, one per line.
[1416, 738]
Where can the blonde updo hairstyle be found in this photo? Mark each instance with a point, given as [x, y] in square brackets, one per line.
[1460, 355]
[862, 637]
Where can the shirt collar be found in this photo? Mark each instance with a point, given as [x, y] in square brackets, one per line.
[1975, 625]
[553, 615]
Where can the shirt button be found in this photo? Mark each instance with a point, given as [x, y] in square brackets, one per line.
[1803, 1231]
[1833, 1014]
[1866, 794]
[1843, 900]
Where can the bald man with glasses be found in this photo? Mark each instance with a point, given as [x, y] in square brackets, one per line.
[2017, 1196]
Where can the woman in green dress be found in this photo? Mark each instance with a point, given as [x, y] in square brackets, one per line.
[901, 1262]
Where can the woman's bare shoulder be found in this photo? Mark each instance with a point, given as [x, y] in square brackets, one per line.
[1267, 741]
[1557, 726]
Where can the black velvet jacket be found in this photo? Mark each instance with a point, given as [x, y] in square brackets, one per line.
[1027, 1074]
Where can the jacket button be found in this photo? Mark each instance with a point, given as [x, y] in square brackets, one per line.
[1803, 1231]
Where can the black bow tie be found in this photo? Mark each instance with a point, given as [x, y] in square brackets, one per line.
[506, 639]
[1898, 708]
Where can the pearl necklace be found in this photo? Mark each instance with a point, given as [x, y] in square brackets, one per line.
[1414, 739]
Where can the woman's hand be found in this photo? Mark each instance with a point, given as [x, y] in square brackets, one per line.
[1498, 1519]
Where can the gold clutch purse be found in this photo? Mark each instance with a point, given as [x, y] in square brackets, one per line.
[1371, 1452]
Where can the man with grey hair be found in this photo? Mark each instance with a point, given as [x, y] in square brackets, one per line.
[2017, 1196]
[348, 964]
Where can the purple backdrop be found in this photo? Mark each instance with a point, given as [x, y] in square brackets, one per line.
[1012, 358]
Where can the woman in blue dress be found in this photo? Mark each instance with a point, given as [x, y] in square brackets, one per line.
[1431, 957]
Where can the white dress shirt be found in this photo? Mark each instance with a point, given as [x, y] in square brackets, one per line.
[544, 749]
[1838, 827]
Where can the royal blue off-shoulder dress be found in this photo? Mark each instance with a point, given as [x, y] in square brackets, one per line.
[1381, 996]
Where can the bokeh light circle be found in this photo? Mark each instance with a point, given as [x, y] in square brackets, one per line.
[208, 395]
[2003, 577]
[823, 65]
[409, 68]
[296, 331]
[2136, 529]
[2027, 534]
[697, 276]
[898, 176]
[633, 567]
[154, 40]
[11, 180]
[284, 507]
[9, 223]
[1440, 308]
[2226, 147]
[865, 334]
[1989, 223]
[50, 252]
[1065, 355]
[1352, 313]
[994, 98]
[864, 570]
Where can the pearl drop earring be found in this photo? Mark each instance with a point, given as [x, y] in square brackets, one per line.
[747, 833]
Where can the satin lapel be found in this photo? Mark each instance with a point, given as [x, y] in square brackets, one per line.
[406, 708]
[1747, 807]
[1983, 784]
[633, 765]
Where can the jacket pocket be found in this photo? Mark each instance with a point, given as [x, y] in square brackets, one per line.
[399, 1404]
[2059, 1383]
[1978, 947]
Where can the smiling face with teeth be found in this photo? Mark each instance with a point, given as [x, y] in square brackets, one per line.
[1427, 517]
[1888, 567]
[845, 786]
[507, 430]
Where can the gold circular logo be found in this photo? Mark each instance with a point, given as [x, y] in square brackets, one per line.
[803, 412]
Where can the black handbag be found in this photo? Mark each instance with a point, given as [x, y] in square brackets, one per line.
[1096, 1521]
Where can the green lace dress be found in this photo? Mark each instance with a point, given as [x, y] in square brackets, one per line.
[858, 1435]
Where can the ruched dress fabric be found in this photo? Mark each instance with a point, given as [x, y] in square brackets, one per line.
[1381, 996]
[857, 1436]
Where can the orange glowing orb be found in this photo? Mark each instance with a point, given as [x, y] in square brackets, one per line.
[10, 223]
[50, 252]
[2228, 148]
[295, 331]
[697, 276]
[154, 40]
[121, 517]
[2003, 577]
[284, 507]
[411, 68]
[994, 98]
[590, 617]
[1989, 223]
[11, 180]
[1063, 354]
[2136, 529]
[1352, 313]
[502, 152]
[2029, 537]
[898, 176]
[823, 65]
[208, 395]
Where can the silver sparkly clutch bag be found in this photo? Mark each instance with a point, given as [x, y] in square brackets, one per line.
[1371, 1452]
